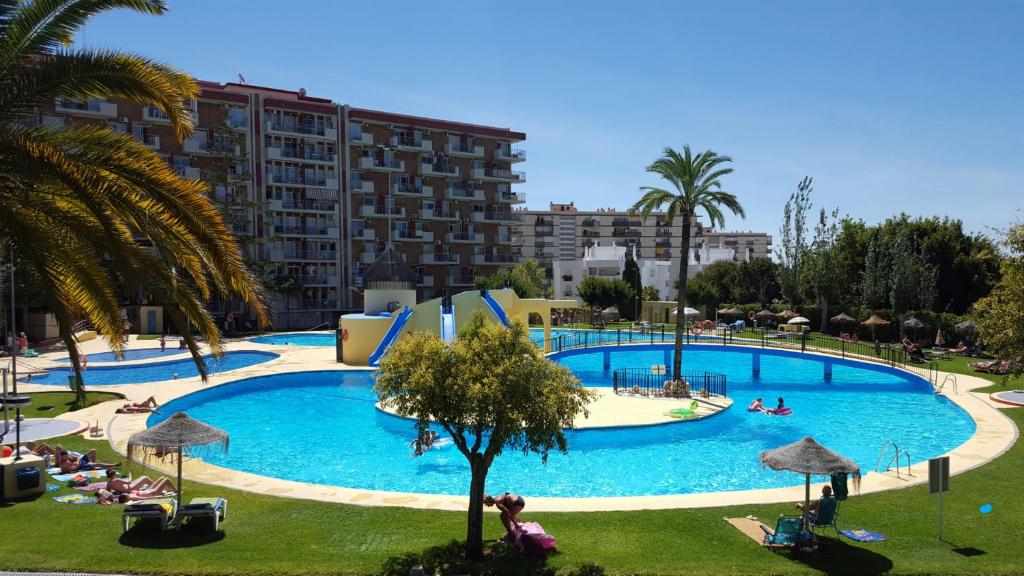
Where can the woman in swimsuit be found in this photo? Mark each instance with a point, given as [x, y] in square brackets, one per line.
[510, 506]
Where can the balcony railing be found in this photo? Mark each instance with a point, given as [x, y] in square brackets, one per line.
[314, 304]
[312, 155]
[510, 155]
[497, 258]
[499, 174]
[188, 172]
[464, 149]
[300, 179]
[444, 258]
[626, 233]
[456, 192]
[460, 280]
[304, 128]
[439, 169]
[360, 138]
[92, 107]
[496, 216]
[414, 235]
[410, 142]
[361, 186]
[411, 189]
[512, 197]
[470, 237]
[386, 165]
[305, 204]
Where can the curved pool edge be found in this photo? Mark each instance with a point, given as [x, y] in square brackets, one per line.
[994, 434]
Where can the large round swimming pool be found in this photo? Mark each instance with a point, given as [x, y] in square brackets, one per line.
[154, 371]
[331, 432]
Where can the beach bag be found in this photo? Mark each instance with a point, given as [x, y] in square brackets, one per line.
[533, 541]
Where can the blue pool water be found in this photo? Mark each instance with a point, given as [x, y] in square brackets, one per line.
[154, 371]
[352, 444]
[137, 354]
[297, 339]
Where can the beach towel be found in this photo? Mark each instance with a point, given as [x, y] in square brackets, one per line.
[52, 487]
[91, 487]
[862, 535]
[839, 486]
[531, 539]
[83, 474]
[75, 499]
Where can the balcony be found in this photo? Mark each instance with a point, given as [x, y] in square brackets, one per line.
[439, 170]
[320, 255]
[362, 186]
[511, 197]
[237, 119]
[545, 253]
[460, 280]
[368, 257]
[381, 211]
[497, 259]
[315, 279]
[463, 193]
[412, 190]
[151, 113]
[464, 238]
[87, 107]
[439, 259]
[591, 234]
[425, 281]
[498, 175]
[188, 172]
[626, 233]
[364, 234]
[306, 230]
[408, 143]
[495, 216]
[414, 236]
[439, 214]
[320, 304]
[360, 138]
[151, 140]
[625, 223]
[382, 165]
[299, 179]
[588, 223]
[663, 232]
[544, 230]
[510, 155]
[461, 150]
[309, 205]
[305, 155]
[293, 127]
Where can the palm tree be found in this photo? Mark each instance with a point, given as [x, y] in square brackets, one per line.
[95, 212]
[697, 185]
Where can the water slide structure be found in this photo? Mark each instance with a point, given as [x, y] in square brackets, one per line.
[390, 336]
[499, 312]
[447, 322]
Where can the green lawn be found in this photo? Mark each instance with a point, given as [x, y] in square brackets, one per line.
[50, 404]
[269, 535]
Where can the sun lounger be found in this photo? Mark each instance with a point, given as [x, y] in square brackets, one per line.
[162, 509]
[786, 533]
[215, 508]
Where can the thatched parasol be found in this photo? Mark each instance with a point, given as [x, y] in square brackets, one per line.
[179, 433]
[914, 324]
[843, 318]
[874, 321]
[808, 457]
[734, 312]
[966, 326]
[765, 314]
[787, 314]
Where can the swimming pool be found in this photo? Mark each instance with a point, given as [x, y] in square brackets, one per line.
[154, 371]
[297, 339]
[136, 354]
[355, 445]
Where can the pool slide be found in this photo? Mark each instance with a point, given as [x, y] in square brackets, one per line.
[390, 336]
[447, 323]
[495, 307]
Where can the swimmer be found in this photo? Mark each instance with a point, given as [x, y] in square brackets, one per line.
[163, 342]
[756, 406]
[174, 376]
[424, 442]
[781, 406]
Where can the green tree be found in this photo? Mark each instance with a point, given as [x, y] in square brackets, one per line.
[700, 292]
[650, 294]
[820, 272]
[1000, 315]
[527, 278]
[490, 390]
[630, 308]
[696, 180]
[793, 240]
[73, 200]
[758, 281]
[601, 293]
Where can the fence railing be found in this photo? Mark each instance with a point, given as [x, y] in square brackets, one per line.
[888, 354]
[644, 382]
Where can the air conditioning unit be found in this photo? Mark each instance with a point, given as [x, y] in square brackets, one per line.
[122, 118]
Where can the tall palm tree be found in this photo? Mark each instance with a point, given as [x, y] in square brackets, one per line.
[697, 186]
[95, 212]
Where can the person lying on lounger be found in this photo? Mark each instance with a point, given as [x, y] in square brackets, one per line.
[31, 448]
[136, 407]
[510, 506]
[68, 462]
[140, 485]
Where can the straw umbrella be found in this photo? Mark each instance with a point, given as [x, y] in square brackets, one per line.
[914, 324]
[179, 433]
[765, 314]
[808, 457]
[875, 320]
[966, 326]
[787, 314]
[843, 319]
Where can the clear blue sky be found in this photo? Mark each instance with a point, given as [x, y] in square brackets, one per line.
[890, 106]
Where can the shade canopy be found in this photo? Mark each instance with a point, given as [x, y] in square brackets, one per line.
[765, 314]
[687, 311]
[788, 314]
[875, 320]
[967, 326]
[389, 272]
[913, 323]
[798, 320]
[730, 312]
[843, 318]
[808, 457]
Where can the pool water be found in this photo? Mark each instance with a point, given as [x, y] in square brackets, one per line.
[355, 445]
[154, 371]
[297, 339]
[136, 354]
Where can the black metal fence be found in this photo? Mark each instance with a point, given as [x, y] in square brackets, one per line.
[644, 382]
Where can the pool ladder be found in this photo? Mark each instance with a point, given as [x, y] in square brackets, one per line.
[895, 458]
[947, 379]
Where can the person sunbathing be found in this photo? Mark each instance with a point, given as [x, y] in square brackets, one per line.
[140, 485]
[31, 448]
[960, 348]
[138, 407]
[68, 462]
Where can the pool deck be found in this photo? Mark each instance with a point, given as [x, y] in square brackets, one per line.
[995, 433]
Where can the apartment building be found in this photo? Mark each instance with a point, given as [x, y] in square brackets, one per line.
[564, 233]
[314, 190]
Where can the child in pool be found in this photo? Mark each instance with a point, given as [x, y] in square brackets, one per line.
[756, 406]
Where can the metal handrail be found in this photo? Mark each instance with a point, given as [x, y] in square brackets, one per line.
[895, 458]
[948, 378]
[328, 324]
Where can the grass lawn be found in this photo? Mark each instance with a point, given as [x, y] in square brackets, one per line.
[270, 535]
[50, 404]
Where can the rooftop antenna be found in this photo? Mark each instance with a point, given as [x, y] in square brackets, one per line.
[241, 79]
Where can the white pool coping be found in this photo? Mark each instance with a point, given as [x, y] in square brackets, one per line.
[995, 433]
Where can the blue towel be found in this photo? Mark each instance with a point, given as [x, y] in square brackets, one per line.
[862, 535]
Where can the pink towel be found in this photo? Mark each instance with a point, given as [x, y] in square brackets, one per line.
[92, 487]
[531, 538]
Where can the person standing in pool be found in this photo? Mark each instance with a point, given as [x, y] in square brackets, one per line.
[424, 442]
[756, 406]
[510, 506]
[163, 342]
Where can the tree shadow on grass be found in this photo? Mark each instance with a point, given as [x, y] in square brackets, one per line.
[147, 534]
[499, 560]
[834, 556]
